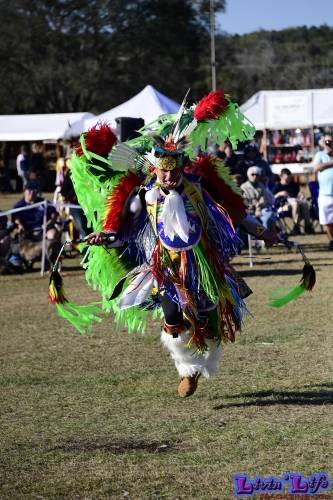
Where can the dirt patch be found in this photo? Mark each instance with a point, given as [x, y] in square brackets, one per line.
[117, 447]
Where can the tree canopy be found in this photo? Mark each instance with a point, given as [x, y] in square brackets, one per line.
[74, 55]
[294, 58]
[71, 55]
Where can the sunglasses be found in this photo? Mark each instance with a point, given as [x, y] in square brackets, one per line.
[254, 175]
[329, 143]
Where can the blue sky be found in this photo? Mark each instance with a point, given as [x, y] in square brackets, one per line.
[244, 16]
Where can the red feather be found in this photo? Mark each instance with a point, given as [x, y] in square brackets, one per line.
[99, 139]
[211, 106]
[217, 188]
[116, 201]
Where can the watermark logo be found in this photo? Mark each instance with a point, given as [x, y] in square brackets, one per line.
[293, 483]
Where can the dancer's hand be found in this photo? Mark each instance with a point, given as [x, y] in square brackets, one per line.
[100, 238]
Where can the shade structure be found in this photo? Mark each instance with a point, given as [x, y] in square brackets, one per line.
[290, 109]
[147, 104]
[39, 127]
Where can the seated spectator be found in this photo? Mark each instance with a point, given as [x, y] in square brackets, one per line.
[4, 237]
[289, 189]
[31, 221]
[259, 199]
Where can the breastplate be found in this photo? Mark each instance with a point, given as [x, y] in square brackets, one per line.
[177, 244]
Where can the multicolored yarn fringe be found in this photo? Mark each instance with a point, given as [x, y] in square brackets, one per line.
[216, 179]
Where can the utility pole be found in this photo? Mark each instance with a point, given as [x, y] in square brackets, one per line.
[212, 44]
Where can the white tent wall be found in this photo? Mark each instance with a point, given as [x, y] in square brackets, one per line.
[39, 127]
[290, 109]
[147, 104]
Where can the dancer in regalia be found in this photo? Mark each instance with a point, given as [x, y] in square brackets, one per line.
[164, 222]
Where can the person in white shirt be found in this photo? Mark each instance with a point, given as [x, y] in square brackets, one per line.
[23, 165]
[323, 166]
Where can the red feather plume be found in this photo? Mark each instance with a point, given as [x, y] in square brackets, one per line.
[205, 167]
[99, 139]
[211, 106]
[116, 201]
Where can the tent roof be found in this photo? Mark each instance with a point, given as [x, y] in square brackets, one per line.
[147, 104]
[41, 127]
[289, 109]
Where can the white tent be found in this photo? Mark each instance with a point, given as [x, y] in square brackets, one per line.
[147, 104]
[42, 127]
[290, 109]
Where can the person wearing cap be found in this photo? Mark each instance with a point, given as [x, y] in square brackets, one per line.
[252, 157]
[289, 189]
[259, 199]
[31, 221]
[323, 163]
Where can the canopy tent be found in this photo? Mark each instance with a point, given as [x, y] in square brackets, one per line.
[42, 127]
[147, 104]
[290, 109]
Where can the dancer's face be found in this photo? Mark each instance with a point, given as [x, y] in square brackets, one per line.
[169, 179]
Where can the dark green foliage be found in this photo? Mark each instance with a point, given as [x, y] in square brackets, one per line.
[294, 58]
[70, 55]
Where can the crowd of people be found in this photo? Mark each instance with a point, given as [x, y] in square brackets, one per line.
[265, 194]
[21, 234]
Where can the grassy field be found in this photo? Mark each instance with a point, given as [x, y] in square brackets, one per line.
[98, 416]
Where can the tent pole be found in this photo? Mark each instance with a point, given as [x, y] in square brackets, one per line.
[42, 266]
[264, 149]
[312, 126]
[264, 137]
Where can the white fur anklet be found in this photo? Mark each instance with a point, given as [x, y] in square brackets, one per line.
[187, 362]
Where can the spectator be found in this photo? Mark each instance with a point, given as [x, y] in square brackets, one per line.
[69, 196]
[31, 221]
[23, 165]
[4, 237]
[289, 189]
[226, 153]
[238, 179]
[259, 199]
[252, 157]
[5, 186]
[323, 163]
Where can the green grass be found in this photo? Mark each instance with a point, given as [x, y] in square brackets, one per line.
[98, 416]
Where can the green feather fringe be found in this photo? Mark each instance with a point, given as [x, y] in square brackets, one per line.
[103, 266]
[80, 316]
[231, 125]
[281, 297]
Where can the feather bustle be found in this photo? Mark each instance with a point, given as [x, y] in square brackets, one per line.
[116, 201]
[211, 106]
[99, 139]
